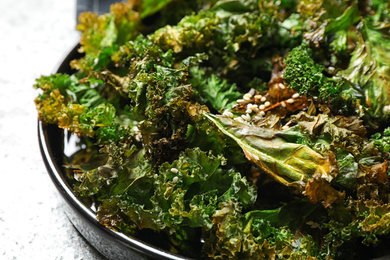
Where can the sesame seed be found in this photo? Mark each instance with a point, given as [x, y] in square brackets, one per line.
[175, 179]
[262, 107]
[246, 98]
[248, 111]
[285, 127]
[282, 86]
[290, 100]
[263, 99]
[262, 113]
[174, 170]
[386, 109]
[283, 104]
[296, 95]
[241, 101]
[246, 117]
[249, 95]
[267, 104]
[258, 97]
[228, 113]
[138, 137]
[256, 118]
[254, 108]
[155, 176]
[239, 119]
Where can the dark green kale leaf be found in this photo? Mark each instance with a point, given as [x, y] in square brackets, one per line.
[256, 234]
[229, 39]
[217, 93]
[307, 77]
[382, 141]
[180, 196]
[154, 76]
[114, 28]
[370, 68]
[74, 104]
[333, 27]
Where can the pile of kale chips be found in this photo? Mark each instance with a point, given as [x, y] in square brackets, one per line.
[234, 129]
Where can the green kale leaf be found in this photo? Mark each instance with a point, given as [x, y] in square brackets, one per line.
[369, 68]
[213, 91]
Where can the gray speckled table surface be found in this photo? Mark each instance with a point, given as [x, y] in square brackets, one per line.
[35, 34]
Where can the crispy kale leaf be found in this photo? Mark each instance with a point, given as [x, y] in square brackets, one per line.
[288, 162]
[217, 93]
[114, 28]
[307, 77]
[382, 141]
[177, 199]
[369, 67]
[261, 234]
[76, 105]
[301, 85]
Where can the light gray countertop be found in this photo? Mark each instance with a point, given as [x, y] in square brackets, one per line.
[35, 35]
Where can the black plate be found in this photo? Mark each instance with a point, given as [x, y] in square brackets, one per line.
[112, 244]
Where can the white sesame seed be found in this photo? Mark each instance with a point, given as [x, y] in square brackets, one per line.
[262, 113]
[254, 108]
[296, 95]
[240, 101]
[386, 109]
[246, 117]
[239, 119]
[262, 107]
[138, 137]
[285, 127]
[256, 118]
[248, 111]
[246, 98]
[155, 176]
[227, 113]
[174, 170]
[249, 95]
[282, 86]
[263, 99]
[283, 104]
[290, 101]
[267, 104]
[175, 179]
[258, 97]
